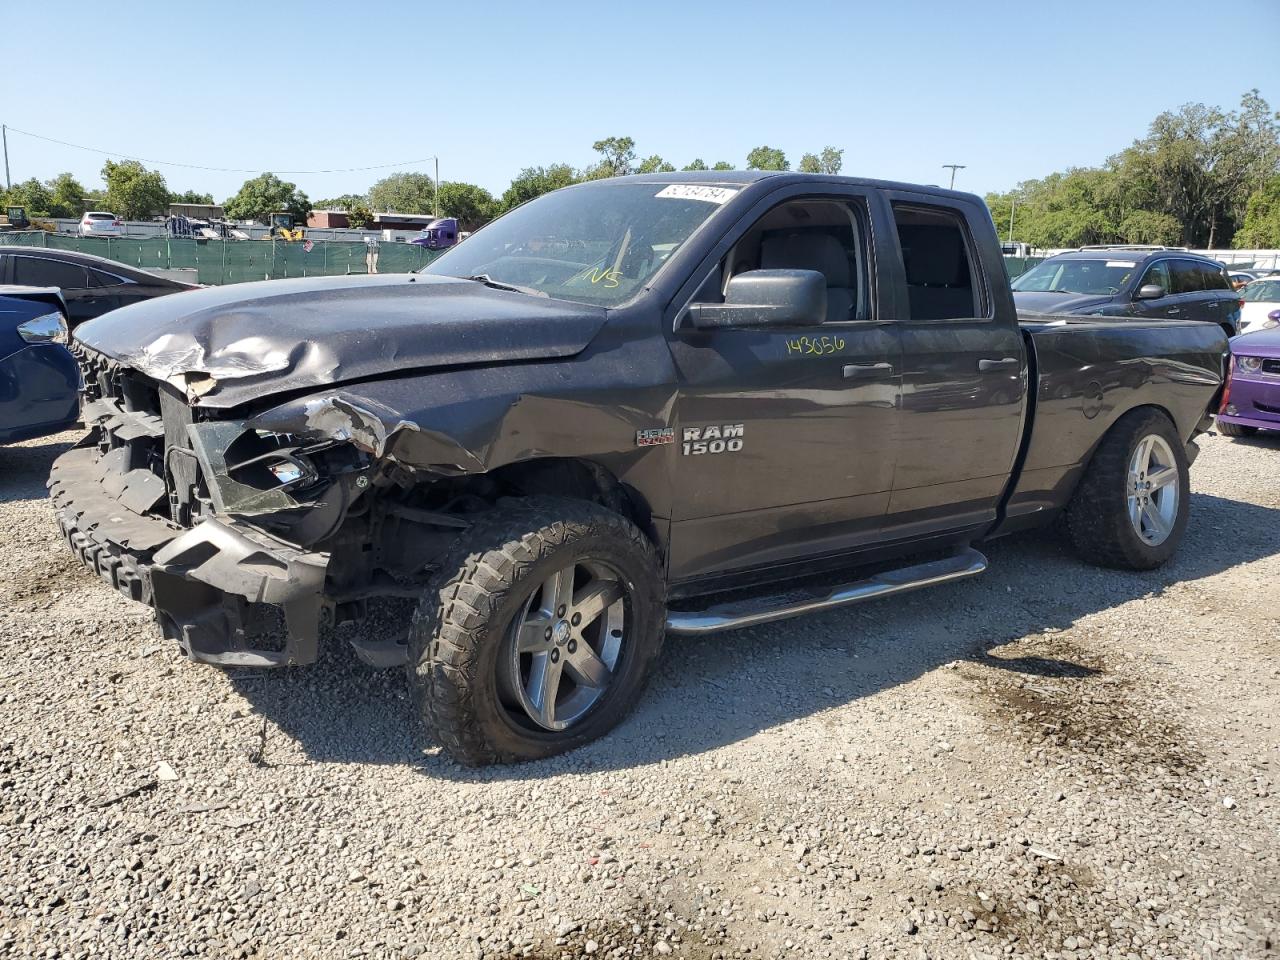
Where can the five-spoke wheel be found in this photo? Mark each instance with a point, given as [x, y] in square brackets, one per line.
[565, 645]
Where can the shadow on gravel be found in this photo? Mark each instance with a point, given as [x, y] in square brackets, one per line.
[712, 691]
[24, 469]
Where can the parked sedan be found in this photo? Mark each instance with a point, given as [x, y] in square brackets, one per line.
[1131, 282]
[99, 223]
[1251, 399]
[39, 380]
[1260, 305]
[90, 285]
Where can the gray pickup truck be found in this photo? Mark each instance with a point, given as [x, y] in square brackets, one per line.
[659, 404]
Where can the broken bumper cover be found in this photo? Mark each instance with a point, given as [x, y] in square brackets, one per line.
[228, 594]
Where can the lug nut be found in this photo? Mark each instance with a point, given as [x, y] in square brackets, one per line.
[577, 619]
[573, 646]
[560, 612]
[547, 634]
[555, 655]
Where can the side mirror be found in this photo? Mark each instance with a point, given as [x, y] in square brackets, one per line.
[1150, 291]
[767, 298]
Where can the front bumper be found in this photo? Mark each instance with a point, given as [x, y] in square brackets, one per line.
[1255, 402]
[227, 593]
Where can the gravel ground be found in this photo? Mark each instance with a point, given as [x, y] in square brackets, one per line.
[1047, 761]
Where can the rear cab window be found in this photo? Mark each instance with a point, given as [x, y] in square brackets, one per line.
[943, 280]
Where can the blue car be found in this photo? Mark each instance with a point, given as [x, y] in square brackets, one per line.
[39, 380]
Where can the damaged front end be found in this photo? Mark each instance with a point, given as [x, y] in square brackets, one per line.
[247, 535]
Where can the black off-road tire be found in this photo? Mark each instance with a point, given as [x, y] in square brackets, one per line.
[1097, 518]
[460, 626]
[1235, 429]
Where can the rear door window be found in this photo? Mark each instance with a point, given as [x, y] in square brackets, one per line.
[100, 278]
[40, 272]
[1186, 276]
[942, 280]
[1212, 278]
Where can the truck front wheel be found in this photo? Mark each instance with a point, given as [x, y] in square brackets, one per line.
[538, 633]
[1130, 509]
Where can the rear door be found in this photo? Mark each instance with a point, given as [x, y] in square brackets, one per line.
[1192, 299]
[964, 374]
[1167, 307]
[1221, 301]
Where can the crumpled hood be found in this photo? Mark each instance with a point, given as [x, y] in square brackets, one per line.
[1035, 302]
[229, 345]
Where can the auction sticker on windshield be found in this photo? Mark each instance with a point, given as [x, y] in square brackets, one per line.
[1121, 263]
[693, 191]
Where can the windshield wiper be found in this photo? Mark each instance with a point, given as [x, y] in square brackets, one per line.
[488, 281]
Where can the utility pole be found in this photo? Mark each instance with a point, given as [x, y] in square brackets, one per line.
[437, 191]
[953, 167]
[1013, 205]
[4, 134]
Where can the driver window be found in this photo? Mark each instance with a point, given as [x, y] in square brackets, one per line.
[828, 236]
[1157, 273]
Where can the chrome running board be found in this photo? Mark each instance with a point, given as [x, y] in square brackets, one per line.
[749, 613]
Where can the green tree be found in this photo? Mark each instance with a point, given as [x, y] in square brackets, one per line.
[266, 194]
[133, 191]
[654, 164]
[767, 158]
[617, 158]
[723, 165]
[35, 197]
[473, 206]
[67, 196]
[344, 202]
[809, 163]
[359, 215]
[535, 181]
[1261, 227]
[191, 196]
[404, 193]
[830, 161]
[696, 165]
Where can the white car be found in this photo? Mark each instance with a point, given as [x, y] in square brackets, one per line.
[99, 223]
[1260, 305]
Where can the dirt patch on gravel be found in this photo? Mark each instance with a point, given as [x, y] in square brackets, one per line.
[46, 577]
[1073, 705]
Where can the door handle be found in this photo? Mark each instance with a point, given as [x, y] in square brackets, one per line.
[1173, 310]
[866, 371]
[1007, 363]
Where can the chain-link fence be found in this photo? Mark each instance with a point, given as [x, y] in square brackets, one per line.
[236, 261]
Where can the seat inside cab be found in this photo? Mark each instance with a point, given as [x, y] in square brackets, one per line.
[822, 235]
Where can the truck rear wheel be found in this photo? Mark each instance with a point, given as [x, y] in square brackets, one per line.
[538, 633]
[1130, 509]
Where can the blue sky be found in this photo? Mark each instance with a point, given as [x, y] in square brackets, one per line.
[1011, 90]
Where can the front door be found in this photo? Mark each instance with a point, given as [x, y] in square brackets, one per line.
[787, 438]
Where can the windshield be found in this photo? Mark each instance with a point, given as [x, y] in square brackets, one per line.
[1101, 277]
[595, 245]
[1266, 290]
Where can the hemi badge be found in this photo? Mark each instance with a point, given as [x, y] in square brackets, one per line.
[652, 438]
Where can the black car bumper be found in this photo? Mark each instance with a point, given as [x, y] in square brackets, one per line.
[227, 593]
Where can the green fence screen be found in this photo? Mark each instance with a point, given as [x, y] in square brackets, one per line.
[236, 261]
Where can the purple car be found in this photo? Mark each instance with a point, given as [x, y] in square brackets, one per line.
[1251, 401]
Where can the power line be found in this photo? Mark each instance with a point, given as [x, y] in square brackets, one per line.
[196, 166]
